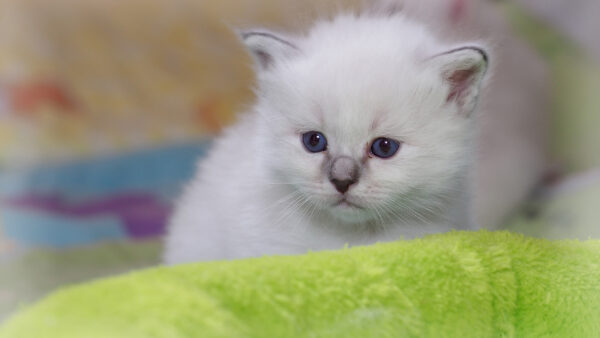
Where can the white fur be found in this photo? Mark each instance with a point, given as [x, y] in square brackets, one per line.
[354, 79]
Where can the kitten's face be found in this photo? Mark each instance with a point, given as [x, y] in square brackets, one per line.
[331, 117]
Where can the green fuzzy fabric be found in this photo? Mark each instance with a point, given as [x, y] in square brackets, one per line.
[459, 284]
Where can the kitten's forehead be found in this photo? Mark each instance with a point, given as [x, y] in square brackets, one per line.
[362, 93]
[357, 69]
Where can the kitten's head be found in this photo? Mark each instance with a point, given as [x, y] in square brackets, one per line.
[367, 118]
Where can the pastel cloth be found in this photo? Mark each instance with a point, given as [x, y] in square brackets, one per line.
[459, 284]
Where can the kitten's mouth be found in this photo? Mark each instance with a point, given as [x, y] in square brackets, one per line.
[344, 203]
[349, 212]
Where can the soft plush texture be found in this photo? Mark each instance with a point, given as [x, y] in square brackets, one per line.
[459, 284]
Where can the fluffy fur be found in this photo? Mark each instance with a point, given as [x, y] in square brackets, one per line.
[513, 120]
[354, 78]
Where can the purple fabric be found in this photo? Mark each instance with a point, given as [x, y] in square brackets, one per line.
[142, 214]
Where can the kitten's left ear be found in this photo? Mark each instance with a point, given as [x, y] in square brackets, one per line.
[268, 48]
[463, 70]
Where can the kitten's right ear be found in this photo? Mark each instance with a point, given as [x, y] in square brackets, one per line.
[267, 48]
[462, 70]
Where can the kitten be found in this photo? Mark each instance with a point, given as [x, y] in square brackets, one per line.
[362, 132]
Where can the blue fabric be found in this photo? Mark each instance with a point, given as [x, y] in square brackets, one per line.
[102, 198]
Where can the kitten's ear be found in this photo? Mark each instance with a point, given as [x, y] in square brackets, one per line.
[267, 48]
[463, 70]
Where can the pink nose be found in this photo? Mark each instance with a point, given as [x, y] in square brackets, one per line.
[344, 172]
[342, 185]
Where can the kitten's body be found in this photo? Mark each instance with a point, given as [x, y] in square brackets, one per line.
[355, 79]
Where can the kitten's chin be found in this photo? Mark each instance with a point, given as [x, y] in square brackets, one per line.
[349, 213]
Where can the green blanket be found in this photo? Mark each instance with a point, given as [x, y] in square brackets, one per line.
[460, 284]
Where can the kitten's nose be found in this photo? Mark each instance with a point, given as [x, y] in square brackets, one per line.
[344, 172]
[343, 185]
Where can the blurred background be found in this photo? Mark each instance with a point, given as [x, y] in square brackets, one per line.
[106, 105]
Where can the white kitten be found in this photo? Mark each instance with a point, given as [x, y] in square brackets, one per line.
[362, 132]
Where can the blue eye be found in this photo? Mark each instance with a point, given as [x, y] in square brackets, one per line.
[314, 141]
[384, 147]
